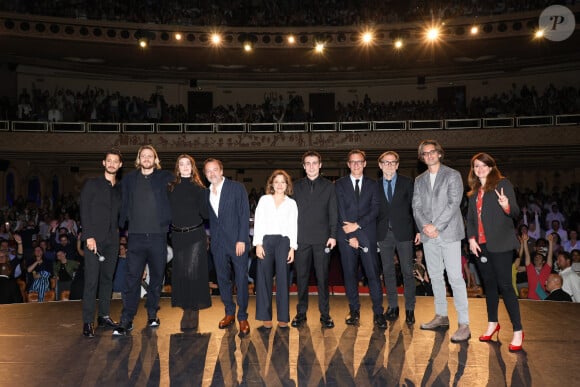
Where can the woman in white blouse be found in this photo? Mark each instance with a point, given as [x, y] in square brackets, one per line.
[275, 232]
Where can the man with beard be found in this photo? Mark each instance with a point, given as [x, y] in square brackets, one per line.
[100, 202]
[145, 206]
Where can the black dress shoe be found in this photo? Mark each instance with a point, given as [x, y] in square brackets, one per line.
[326, 322]
[298, 320]
[88, 330]
[380, 321]
[106, 322]
[353, 318]
[410, 317]
[392, 313]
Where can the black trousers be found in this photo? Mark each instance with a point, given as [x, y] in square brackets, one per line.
[497, 277]
[306, 255]
[99, 275]
[274, 264]
[144, 249]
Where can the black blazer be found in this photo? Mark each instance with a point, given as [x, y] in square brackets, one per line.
[317, 210]
[399, 212]
[364, 212]
[99, 207]
[497, 225]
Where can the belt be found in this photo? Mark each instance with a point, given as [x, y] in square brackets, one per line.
[185, 229]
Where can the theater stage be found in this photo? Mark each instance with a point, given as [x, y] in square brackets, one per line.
[42, 345]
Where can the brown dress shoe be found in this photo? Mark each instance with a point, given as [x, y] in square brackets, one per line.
[226, 321]
[244, 327]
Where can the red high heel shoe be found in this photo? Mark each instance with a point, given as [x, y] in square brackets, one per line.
[516, 348]
[488, 338]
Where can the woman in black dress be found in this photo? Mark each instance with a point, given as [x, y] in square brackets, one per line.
[190, 284]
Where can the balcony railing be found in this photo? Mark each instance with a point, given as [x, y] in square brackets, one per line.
[290, 127]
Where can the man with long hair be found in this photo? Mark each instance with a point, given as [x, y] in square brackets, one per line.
[145, 206]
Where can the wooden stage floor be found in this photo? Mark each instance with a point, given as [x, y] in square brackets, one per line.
[42, 345]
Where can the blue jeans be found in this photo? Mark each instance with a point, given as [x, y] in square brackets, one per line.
[440, 256]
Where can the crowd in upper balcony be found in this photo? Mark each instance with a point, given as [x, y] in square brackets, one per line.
[271, 12]
[98, 105]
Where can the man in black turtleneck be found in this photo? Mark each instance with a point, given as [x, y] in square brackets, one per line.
[145, 206]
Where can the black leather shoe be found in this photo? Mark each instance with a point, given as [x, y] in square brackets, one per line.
[392, 313]
[106, 322]
[88, 330]
[298, 320]
[380, 321]
[353, 318]
[326, 322]
[410, 317]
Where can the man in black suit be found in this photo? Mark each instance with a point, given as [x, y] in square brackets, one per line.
[358, 207]
[396, 231]
[317, 223]
[229, 220]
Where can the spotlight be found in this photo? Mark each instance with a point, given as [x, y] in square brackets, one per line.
[143, 42]
[248, 46]
[178, 36]
[474, 30]
[319, 48]
[398, 44]
[433, 34]
[216, 39]
[291, 39]
[539, 34]
[367, 37]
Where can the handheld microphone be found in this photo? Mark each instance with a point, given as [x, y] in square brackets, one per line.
[101, 257]
[327, 249]
[363, 248]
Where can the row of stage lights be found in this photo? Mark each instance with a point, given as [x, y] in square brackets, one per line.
[367, 38]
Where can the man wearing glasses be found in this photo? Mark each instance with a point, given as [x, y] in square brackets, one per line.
[396, 231]
[358, 207]
[436, 199]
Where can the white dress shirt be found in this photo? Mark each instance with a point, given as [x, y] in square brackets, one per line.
[270, 220]
[214, 199]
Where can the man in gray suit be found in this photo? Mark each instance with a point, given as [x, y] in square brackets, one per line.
[436, 199]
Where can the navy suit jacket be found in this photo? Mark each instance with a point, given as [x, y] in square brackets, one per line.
[364, 211]
[233, 223]
[399, 212]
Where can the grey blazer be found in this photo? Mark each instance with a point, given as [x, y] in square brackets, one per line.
[440, 205]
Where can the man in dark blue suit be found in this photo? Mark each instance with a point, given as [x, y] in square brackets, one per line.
[229, 220]
[396, 231]
[358, 207]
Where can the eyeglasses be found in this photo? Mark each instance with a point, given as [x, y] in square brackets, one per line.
[389, 163]
[356, 162]
[432, 152]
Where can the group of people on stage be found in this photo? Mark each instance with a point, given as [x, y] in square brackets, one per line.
[299, 223]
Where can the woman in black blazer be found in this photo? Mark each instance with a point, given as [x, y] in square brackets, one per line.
[492, 238]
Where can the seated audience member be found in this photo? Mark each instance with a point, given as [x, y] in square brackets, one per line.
[64, 270]
[556, 228]
[69, 248]
[554, 287]
[39, 274]
[572, 243]
[538, 270]
[422, 280]
[9, 289]
[571, 280]
[534, 229]
[555, 215]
